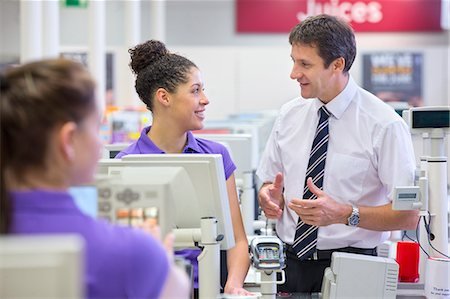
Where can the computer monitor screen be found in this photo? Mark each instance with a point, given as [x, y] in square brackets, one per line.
[236, 127]
[41, 266]
[206, 173]
[377, 277]
[422, 119]
[430, 119]
[244, 154]
[85, 197]
[110, 151]
[132, 195]
[242, 150]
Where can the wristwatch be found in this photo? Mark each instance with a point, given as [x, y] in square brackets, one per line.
[353, 220]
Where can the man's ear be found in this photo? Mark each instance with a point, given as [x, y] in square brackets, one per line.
[162, 96]
[339, 64]
[66, 140]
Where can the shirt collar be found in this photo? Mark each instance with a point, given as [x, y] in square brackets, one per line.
[192, 144]
[339, 104]
[146, 145]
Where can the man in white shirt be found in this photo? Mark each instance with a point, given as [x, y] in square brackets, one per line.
[368, 151]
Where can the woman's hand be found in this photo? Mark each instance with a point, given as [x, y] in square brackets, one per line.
[237, 291]
[150, 226]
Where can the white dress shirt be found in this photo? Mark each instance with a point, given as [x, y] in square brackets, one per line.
[369, 153]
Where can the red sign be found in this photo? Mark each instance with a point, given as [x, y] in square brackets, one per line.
[364, 15]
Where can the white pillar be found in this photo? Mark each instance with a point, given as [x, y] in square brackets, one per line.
[248, 203]
[445, 14]
[209, 260]
[438, 205]
[97, 49]
[125, 91]
[158, 20]
[132, 22]
[445, 24]
[30, 30]
[448, 67]
[447, 144]
[50, 28]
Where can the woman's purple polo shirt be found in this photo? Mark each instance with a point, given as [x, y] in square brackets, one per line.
[120, 262]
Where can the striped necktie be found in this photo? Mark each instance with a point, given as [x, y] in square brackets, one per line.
[305, 239]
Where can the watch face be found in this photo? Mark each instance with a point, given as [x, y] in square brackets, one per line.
[354, 220]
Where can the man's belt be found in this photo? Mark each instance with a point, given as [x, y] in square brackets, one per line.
[326, 254]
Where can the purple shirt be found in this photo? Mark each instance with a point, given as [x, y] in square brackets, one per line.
[144, 145]
[120, 262]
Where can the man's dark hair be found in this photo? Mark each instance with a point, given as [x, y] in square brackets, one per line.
[332, 36]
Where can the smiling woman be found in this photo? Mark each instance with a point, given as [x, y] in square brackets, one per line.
[172, 88]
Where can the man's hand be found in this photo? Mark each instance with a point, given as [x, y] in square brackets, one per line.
[322, 211]
[271, 198]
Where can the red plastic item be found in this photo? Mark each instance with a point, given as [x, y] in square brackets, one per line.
[408, 261]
